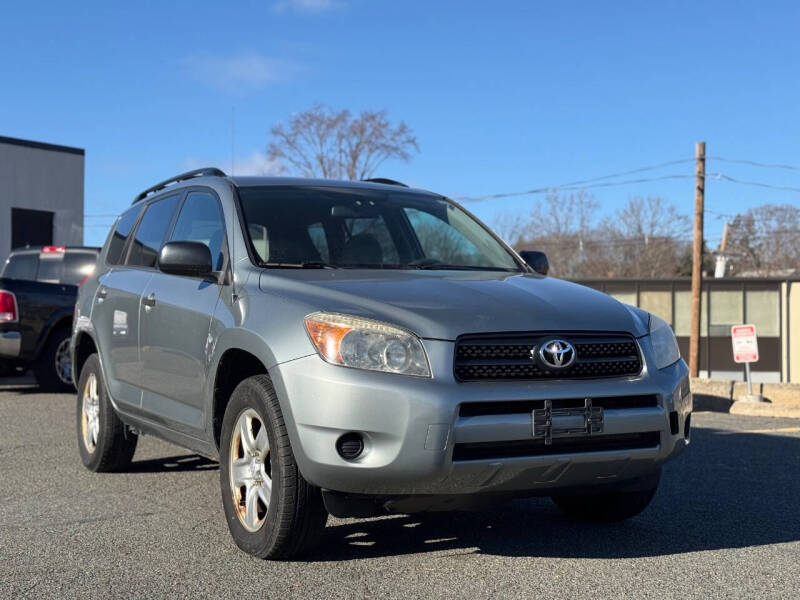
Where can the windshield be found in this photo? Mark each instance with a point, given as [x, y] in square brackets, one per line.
[362, 228]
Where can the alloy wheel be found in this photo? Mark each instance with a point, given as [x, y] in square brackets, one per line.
[250, 471]
[90, 413]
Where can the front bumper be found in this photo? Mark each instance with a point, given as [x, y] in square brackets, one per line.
[10, 343]
[411, 427]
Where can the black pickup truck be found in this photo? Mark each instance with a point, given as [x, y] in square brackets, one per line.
[38, 288]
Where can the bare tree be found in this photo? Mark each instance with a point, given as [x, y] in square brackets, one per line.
[322, 142]
[765, 241]
[645, 238]
[562, 227]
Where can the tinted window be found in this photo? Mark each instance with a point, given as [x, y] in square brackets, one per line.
[201, 221]
[77, 265]
[120, 236]
[151, 232]
[368, 241]
[51, 268]
[320, 240]
[21, 266]
[441, 241]
[366, 229]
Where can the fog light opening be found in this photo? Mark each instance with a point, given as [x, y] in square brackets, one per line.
[350, 445]
[673, 423]
[687, 426]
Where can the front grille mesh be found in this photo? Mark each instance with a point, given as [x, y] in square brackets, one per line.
[512, 357]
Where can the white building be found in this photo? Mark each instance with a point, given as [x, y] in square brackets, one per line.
[41, 195]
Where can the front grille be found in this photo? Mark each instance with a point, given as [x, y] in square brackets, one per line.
[566, 445]
[515, 407]
[510, 357]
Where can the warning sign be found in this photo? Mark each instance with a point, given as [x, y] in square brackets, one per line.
[745, 343]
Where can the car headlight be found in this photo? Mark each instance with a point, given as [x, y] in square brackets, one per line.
[366, 344]
[665, 345]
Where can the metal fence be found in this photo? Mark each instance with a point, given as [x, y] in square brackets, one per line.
[772, 305]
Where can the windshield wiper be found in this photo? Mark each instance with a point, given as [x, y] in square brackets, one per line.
[445, 267]
[308, 264]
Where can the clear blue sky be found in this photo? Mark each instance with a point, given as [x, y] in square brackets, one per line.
[503, 96]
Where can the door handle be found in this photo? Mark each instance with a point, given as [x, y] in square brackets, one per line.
[149, 302]
[102, 293]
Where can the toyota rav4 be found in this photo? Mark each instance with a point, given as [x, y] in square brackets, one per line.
[356, 348]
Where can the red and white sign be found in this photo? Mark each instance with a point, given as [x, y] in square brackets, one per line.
[745, 343]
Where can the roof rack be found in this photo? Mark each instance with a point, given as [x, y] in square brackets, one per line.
[207, 171]
[385, 181]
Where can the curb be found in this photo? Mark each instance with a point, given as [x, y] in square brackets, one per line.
[766, 409]
[781, 400]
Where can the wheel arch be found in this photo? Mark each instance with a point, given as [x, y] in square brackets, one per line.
[84, 345]
[234, 366]
[57, 322]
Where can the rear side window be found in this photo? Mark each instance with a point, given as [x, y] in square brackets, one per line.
[120, 236]
[201, 221]
[21, 266]
[77, 265]
[151, 232]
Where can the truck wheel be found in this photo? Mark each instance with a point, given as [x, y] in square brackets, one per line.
[272, 512]
[53, 370]
[613, 506]
[104, 442]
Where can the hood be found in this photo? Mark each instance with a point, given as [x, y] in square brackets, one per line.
[443, 305]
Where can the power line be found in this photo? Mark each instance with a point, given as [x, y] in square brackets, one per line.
[578, 182]
[544, 244]
[595, 182]
[632, 171]
[571, 187]
[755, 163]
[728, 178]
[576, 186]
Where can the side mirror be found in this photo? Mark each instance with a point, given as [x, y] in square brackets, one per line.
[536, 260]
[191, 259]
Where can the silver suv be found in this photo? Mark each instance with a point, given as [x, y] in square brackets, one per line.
[357, 348]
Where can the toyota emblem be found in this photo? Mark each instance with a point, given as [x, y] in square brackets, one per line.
[557, 354]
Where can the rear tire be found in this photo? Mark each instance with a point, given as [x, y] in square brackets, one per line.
[272, 512]
[104, 442]
[610, 506]
[53, 369]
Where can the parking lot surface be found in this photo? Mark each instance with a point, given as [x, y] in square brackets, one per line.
[725, 523]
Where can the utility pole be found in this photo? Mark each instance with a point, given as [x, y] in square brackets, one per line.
[697, 257]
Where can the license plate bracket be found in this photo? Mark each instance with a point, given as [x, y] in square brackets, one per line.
[549, 422]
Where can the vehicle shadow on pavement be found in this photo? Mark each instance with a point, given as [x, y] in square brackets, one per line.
[730, 490]
[19, 383]
[173, 464]
[20, 389]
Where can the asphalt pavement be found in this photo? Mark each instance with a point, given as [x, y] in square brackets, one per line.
[725, 524]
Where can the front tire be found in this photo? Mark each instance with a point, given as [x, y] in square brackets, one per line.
[53, 369]
[272, 512]
[104, 442]
[610, 506]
